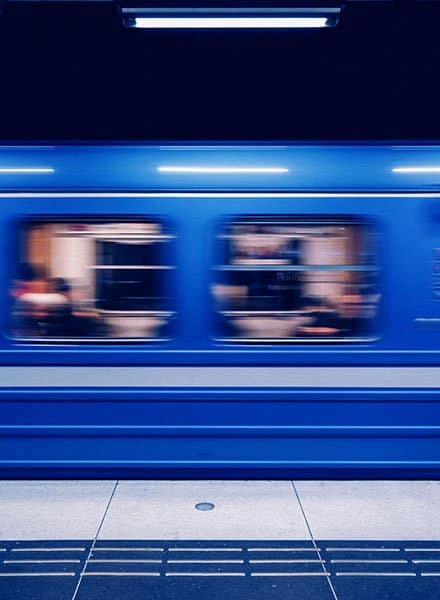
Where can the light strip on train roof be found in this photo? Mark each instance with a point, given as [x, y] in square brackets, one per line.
[222, 170]
[230, 22]
[25, 170]
[416, 170]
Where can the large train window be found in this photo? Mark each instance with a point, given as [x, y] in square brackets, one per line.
[93, 280]
[295, 280]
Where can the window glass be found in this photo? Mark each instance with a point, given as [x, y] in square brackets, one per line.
[93, 280]
[311, 279]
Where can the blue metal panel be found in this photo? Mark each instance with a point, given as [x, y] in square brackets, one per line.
[216, 431]
[136, 167]
[386, 433]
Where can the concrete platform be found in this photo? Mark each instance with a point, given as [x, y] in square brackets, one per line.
[180, 540]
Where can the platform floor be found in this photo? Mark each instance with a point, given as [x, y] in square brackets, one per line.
[132, 540]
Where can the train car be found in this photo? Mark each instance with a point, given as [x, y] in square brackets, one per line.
[220, 310]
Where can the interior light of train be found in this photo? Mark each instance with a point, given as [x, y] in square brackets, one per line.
[271, 17]
[30, 170]
[222, 170]
[432, 169]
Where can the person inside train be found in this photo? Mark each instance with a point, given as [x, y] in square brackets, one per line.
[69, 321]
[321, 318]
[357, 312]
[44, 307]
[25, 273]
[34, 301]
[59, 317]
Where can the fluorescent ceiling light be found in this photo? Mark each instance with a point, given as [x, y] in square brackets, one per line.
[416, 170]
[230, 17]
[230, 22]
[227, 170]
[30, 170]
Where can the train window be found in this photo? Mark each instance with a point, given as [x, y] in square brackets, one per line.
[295, 280]
[93, 280]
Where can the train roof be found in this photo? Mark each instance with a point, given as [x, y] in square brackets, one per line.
[240, 167]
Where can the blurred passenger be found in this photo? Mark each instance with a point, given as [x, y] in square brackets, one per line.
[322, 318]
[68, 322]
[44, 308]
[357, 313]
[59, 285]
[41, 293]
[26, 272]
[35, 301]
[59, 317]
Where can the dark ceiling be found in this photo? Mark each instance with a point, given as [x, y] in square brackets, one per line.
[70, 71]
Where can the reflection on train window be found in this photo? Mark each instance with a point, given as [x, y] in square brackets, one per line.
[93, 280]
[295, 280]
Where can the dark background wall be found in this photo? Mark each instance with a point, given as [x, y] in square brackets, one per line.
[72, 72]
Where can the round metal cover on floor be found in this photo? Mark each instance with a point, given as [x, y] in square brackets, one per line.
[205, 506]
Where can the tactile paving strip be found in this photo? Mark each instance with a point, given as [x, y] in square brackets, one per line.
[193, 570]
[33, 570]
[383, 570]
[186, 559]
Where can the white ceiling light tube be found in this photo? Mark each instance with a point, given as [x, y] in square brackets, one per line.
[221, 170]
[230, 17]
[230, 22]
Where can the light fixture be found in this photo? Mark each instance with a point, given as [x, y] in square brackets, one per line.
[415, 170]
[25, 170]
[230, 17]
[221, 170]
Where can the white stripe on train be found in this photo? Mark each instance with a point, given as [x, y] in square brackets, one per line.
[219, 377]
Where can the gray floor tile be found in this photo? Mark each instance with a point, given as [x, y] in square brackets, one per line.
[166, 510]
[380, 510]
[52, 510]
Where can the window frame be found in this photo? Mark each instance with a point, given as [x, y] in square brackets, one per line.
[26, 221]
[302, 219]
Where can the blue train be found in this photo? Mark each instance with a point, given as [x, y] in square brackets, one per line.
[220, 310]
